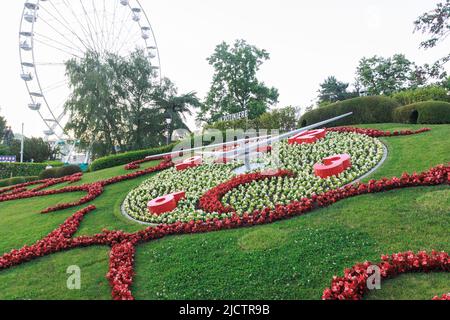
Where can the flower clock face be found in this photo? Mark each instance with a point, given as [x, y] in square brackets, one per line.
[365, 152]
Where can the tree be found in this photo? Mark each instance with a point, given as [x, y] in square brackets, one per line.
[175, 106]
[333, 90]
[379, 75]
[35, 149]
[2, 128]
[95, 112]
[136, 91]
[436, 23]
[235, 86]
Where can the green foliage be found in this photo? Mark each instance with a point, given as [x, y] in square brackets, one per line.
[35, 149]
[436, 23]
[235, 87]
[385, 76]
[127, 157]
[173, 106]
[115, 104]
[8, 170]
[16, 180]
[2, 128]
[375, 109]
[59, 172]
[333, 90]
[436, 93]
[433, 112]
[4, 150]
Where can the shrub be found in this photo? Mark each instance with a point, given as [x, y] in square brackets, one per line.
[428, 112]
[59, 172]
[68, 170]
[374, 109]
[8, 170]
[49, 174]
[16, 180]
[127, 157]
[435, 93]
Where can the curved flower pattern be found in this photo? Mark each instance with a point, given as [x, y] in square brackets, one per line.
[353, 285]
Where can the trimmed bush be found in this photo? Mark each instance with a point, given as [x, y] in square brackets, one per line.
[68, 170]
[16, 180]
[8, 170]
[375, 109]
[429, 112]
[49, 174]
[435, 93]
[59, 172]
[127, 157]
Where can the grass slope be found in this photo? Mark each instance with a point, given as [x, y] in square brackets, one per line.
[292, 259]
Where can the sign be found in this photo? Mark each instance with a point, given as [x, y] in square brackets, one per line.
[8, 159]
[235, 116]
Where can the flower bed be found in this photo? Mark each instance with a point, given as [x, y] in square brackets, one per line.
[366, 153]
[214, 215]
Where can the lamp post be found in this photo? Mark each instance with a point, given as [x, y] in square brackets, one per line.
[21, 144]
[168, 118]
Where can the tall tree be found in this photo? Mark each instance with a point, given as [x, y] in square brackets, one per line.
[235, 86]
[136, 90]
[333, 90]
[95, 112]
[379, 75]
[436, 24]
[175, 106]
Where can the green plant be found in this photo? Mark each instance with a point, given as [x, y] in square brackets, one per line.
[423, 112]
[49, 174]
[8, 170]
[374, 109]
[434, 92]
[127, 157]
[16, 180]
[68, 170]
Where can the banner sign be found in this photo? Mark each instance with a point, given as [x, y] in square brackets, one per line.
[8, 159]
[235, 116]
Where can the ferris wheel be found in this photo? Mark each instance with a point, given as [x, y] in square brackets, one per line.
[55, 31]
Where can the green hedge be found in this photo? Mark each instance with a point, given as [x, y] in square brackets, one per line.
[430, 112]
[127, 157]
[16, 180]
[375, 109]
[16, 169]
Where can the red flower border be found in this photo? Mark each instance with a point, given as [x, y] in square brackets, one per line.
[378, 133]
[353, 285]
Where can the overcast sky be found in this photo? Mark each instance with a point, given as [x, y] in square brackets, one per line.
[307, 41]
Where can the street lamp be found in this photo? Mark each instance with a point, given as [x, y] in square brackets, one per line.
[168, 119]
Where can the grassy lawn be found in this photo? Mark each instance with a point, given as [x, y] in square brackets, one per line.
[293, 259]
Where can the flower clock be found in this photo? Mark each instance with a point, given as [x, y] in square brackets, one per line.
[204, 197]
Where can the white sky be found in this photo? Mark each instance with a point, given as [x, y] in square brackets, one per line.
[307, 40]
